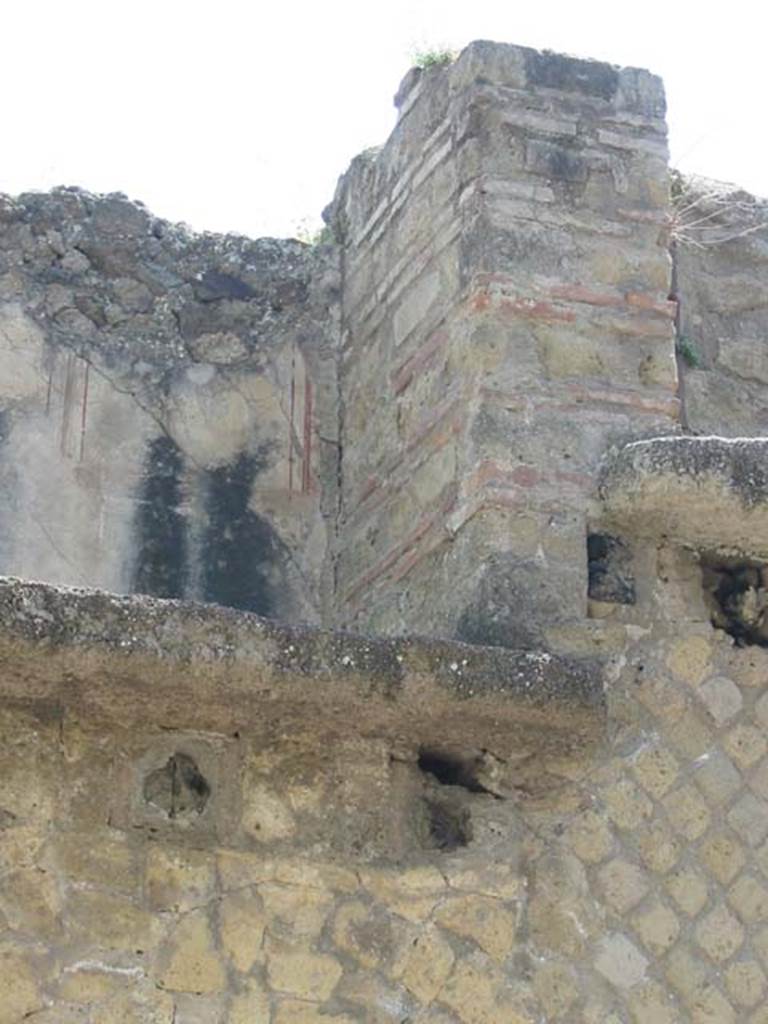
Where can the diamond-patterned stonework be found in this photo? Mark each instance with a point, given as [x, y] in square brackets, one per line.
[689, 889]
[657, 927]
[722, 855]
[680, 878]
[687, 884]
[719, 934]
[745, 982]
[749, 818]
[722, 699]
[749, 898]
[623, 884]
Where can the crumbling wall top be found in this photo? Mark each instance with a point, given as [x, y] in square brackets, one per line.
[202, 666]
[633, 90]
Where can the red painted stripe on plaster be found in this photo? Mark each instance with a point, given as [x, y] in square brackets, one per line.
[400, 550]
[420, 360]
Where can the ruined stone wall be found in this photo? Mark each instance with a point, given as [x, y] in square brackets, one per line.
[331, 866]
[400, 431]
[206, 817]
[162, 402]
[722, 282]
[209, 817]
[406, 394]
[505, 319]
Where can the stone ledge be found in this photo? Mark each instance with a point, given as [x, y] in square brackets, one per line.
[192, 666]
[710, 493]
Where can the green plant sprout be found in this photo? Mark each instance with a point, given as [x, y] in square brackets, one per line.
[688, 352]
[434, 58]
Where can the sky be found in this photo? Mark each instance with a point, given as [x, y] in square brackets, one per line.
[240, 116]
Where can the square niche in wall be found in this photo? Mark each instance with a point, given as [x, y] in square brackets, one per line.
[609, 567]
[736, 593]
[179, 785]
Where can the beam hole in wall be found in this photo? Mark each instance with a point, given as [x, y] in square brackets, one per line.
[452, 769]
[448, 827]
[609, 565]
[449, 777]
[736, 593]
[178, 789]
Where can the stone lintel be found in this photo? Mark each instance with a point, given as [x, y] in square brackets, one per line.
[709, 493]
[193, 666]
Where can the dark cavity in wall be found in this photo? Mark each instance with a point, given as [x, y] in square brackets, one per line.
[449, 776]
[448, 827]
[609, 565]
[243, 557]
[737, 596]
[451, 769]
[178, 788]
[161, 567]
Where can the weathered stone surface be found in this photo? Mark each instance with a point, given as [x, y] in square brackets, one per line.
[193, 963]
[479, 402]
[20, 987]
[721, 261]
[706, 492]
[47, 634]
[620, 961]
[310, 976]
[177, 880]
[251, 1006]
[427, 966]
[486, 922]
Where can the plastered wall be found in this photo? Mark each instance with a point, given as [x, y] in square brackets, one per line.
[162, 403]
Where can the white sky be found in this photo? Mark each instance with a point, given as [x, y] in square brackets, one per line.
[239, 116]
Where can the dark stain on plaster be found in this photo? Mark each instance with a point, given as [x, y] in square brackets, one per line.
[9, 492]
[161, 566]
[510, 603]
[243, 557]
